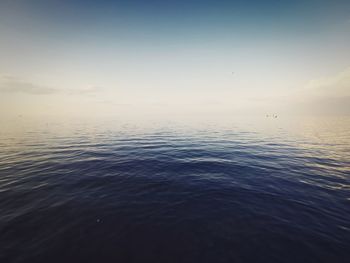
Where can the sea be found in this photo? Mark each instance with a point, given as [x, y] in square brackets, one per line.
[232, 189]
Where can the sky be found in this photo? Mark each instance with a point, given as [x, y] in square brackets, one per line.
[111, 58]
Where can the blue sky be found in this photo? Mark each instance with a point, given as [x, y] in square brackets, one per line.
[108, 57]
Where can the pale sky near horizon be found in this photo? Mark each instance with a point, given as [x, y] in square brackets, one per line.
[221, 57]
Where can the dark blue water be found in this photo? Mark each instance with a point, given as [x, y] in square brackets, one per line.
[110, 191]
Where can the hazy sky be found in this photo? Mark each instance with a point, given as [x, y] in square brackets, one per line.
[120, 57]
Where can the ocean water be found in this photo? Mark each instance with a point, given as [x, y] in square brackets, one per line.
[233, 190]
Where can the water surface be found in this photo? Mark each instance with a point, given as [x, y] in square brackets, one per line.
[238, 190]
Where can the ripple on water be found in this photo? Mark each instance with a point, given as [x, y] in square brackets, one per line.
[174, 194]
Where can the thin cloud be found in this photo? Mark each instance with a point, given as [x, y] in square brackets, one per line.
[333, 86]
[328, 95]
[110, 102]
[10, 84]
[15, 85]
[87, 91]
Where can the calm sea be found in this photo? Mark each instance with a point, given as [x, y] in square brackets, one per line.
[232, 190]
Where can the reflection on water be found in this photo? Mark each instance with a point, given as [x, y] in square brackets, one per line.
[238, 190]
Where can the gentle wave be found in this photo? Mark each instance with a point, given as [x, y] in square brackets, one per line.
[175, 194]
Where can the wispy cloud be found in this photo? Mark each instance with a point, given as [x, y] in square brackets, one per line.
[86, 91]
[11, 84]
[331, 86]
[16, 85]
[328, 95]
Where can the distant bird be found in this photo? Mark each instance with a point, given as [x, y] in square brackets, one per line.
[272, 116]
